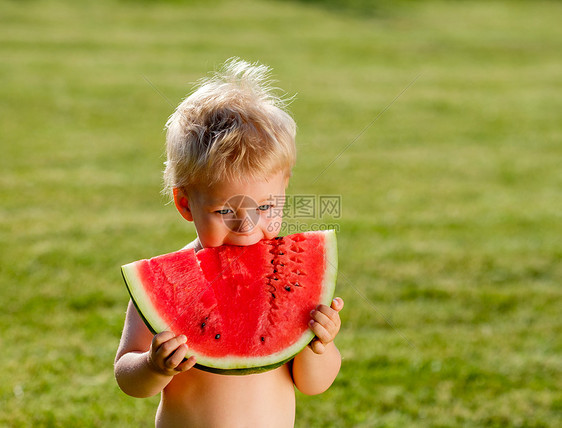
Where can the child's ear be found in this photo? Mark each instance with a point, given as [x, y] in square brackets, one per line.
[182, 203]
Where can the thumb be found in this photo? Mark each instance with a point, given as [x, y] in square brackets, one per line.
[337, 304]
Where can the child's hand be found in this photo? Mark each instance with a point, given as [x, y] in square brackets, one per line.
[325, 324]
[167, 352]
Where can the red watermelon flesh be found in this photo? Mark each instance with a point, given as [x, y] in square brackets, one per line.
[242, 309]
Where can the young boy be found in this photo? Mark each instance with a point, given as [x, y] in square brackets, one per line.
[231, 140]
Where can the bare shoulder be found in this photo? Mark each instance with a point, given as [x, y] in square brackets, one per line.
[193, 245]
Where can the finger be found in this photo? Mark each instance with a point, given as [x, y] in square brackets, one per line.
[337, 304]
[176, 358]
[331, 320]
[328, 310]
[160, 338]
[317, 347]
[186, 364]
[322, 318]
[320, 331]
[168, 347]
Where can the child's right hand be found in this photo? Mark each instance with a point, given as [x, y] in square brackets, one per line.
[167, 352]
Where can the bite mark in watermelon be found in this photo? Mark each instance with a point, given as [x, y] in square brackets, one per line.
[243, 309]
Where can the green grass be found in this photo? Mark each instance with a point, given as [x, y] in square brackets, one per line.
[450, 242]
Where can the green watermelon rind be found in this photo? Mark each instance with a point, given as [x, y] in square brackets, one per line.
[236, 365]
[145, 309]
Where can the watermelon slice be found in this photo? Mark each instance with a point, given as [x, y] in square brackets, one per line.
[243, 309]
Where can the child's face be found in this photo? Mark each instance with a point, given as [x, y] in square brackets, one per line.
[234, 213]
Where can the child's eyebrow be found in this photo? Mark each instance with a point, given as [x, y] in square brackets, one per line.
[219, 202]
[270, 198]
[215, 202]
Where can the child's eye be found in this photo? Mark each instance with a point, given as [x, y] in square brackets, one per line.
[264, 207]
[223, 211]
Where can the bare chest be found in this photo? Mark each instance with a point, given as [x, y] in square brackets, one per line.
[200, 399]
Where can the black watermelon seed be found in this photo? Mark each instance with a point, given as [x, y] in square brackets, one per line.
[263, 339]
[273, 295]
[218, 336]
[281, 253]
[287, 288]
[202, 324]
[297, 284]
[276, 279]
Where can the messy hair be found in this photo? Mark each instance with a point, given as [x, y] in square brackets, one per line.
[233, 126]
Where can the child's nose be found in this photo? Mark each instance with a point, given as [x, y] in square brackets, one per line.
[246, 220]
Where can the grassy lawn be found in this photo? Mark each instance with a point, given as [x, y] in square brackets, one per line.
[450, 237]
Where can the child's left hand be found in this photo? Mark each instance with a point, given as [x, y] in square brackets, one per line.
[325, 324]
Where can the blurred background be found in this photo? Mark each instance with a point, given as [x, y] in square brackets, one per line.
[438, 124]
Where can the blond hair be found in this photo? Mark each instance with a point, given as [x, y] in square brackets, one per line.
[232, 127]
